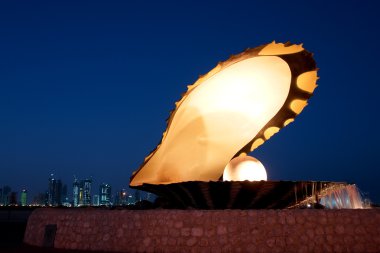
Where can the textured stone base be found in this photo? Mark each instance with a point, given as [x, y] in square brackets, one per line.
[296, 230]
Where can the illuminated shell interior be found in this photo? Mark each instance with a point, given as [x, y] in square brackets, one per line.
[231, 111]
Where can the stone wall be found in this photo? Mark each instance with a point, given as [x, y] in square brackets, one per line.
[297, 230]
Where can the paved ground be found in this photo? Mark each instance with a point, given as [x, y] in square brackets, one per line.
[12, 228]
[11, 237]
[30, 249]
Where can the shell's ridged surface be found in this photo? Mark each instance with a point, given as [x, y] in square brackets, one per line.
[302, 84]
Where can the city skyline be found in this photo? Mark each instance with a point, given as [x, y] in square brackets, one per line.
[79, 192]
[85, 88]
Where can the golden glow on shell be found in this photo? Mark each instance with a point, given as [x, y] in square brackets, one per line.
[270, 132]
[217, 119]
[297, 105]
[307, 81]
[256, 144]
[242, 154]
[280, 49]
[288, 121]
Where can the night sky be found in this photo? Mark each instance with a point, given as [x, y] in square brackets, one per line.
[86, 86]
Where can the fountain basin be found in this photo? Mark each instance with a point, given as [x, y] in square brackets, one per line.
[253, 195]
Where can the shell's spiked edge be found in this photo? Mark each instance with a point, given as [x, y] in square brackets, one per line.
[302, 84]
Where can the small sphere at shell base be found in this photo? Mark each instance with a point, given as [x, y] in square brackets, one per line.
[244, 168]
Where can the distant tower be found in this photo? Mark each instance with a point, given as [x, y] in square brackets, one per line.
[123, 197]
[24, 198]
[51, 190]
[6, 195]
[54, 192]
[137, 196]
[105, 194]
[87, 192]
[76, 187]
[13, 199]
[39, 199]
[46, 198]
[80, 198]
[57, 200]
[116, 201]
[65, 198]
[95, 200]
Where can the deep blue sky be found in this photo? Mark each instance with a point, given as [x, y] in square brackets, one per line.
[86, 86]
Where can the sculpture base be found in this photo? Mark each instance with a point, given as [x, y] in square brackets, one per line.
[295, 230]
[241, 194]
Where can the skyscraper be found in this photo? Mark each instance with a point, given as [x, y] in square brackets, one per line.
[51, 190]
[57, 200]
[87, 192]
[24, 198]
[95, 200]
[65, 198]
[82, 192]
[13, 199]
[1, 197]
[39, 199]
[54, 191]
[5, 195]
[105, 194]
[137, 196]
[123, 197]
[76, 186]
[80, 197]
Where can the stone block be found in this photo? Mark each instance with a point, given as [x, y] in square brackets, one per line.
[197, 231]
[339, 229]
[221, 230]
